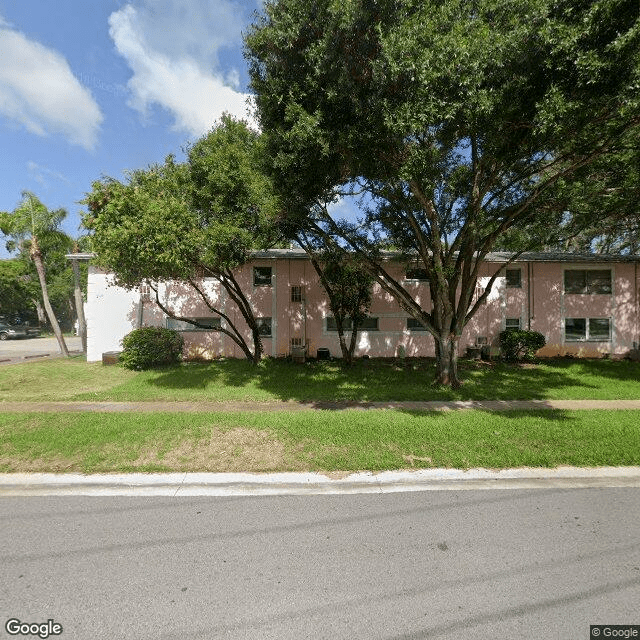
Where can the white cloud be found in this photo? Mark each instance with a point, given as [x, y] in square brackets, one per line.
[41, 174]
[39, 91]
[172, 47]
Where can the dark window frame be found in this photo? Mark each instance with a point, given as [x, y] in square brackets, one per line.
[590, 283]
[415, 325]
[183, 326]
[518, 283]
[330, 324]
[416, 274]
[588, 332]
[265, 326]
[507, 327]
[261, 280]
[297, 293]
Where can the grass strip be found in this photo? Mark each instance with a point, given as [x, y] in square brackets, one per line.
[370, 380]
[318, 441]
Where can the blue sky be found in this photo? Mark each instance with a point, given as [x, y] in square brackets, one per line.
[90, 89]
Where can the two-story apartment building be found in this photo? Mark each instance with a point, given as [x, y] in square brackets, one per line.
[583, 304]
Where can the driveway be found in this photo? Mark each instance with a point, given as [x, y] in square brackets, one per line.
[12, 351]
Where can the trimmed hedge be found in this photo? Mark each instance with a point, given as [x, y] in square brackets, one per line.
[150, 347]
[520, 344]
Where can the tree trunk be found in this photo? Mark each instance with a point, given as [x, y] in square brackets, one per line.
[77, 294]
[346, 359]
[347, 351]
[447, 361]
[42, 318]
[257, 346]
[36, 256]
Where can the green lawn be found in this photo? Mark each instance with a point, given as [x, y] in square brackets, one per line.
[237, 380]
[346, 440]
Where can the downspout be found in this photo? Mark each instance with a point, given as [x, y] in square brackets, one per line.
[274, 310]
[304, 307]
[140, 311]
[530, 295]
[637, 309]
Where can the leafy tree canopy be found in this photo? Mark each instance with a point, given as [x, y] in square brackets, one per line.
[182, 221]
[462, 120]
[18, 288]
[32, 227]
[171, 221]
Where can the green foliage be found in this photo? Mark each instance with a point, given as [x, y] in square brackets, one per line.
[232, 192]
[460, 121]
[145, 228]
[30, 218]
[178, 221]
[167, 221]
[349, 288]
[18, 288]
[150, 347]
[32, 232]
[350, 284]
[520, 344]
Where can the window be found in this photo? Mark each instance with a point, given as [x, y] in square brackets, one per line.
[262, 276]
[180, 325]
[587, 329]
[264, 327]
[512, 323]
[591, 281]
[368, 324]
[296, 342]
[599, 329]
[332, 326]
[296, 293]
[145, 292]
[415, 325]
[514, 278]
[417, 274]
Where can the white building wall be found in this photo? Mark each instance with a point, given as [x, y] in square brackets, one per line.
[111, 313]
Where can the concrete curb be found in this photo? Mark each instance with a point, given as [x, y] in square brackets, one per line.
[246, 484]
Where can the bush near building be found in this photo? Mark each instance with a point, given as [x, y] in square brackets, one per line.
[520, 344]
[150, 347]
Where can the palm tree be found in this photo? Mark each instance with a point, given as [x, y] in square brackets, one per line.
[26, 225]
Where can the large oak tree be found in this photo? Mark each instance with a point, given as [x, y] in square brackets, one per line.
[463, 121]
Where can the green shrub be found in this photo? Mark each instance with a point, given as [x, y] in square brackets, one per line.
[150, 347]
[520, 344]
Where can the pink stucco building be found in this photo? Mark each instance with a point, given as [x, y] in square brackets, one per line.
[584, 305]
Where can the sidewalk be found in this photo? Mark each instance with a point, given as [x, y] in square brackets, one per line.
[208, 407]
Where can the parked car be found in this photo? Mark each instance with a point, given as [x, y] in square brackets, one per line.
[16, 331]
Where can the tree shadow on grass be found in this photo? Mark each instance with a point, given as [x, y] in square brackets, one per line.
[204, 375]
[387, 380]
[548, 414]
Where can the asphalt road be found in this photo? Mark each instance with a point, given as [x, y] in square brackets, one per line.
[32, 348]
[532, 565]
